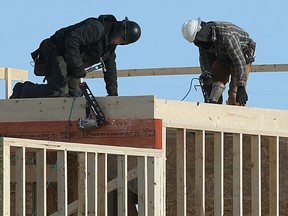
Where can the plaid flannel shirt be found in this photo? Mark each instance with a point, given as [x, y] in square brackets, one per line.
[229, 41]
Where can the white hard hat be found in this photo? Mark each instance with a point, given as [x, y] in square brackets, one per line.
[190, 29]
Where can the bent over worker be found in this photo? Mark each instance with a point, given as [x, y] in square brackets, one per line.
[63, 57]
[225, 51]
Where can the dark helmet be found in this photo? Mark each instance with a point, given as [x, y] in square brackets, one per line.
[132, 31]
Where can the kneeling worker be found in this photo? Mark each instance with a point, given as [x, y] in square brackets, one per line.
[63, 57]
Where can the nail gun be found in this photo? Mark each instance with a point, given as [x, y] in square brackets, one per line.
[92, 105]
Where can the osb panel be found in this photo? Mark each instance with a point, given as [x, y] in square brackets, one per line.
[228, 174]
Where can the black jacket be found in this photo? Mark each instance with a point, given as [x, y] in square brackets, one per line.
[83, 43]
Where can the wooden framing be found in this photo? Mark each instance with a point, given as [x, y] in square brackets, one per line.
[256, 174]
[5, 181]
[10, 74]
[219, 173]
[83, 204]
[250, 120]
[184, 70]
[144, 133]
[172, 113]
[237, 174]
[181, 171]
[151, 117]
[62, 182]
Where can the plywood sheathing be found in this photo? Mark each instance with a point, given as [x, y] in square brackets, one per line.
[228, 172]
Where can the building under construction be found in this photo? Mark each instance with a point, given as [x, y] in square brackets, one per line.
[161, 157]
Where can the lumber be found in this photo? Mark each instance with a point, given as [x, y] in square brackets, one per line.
[217, 117]
[15, 74]
[172, 113]
[142, 133]
[55, 109]
[184, 71]
[10, 74]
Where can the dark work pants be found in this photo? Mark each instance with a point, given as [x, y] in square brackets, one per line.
[222, 73]
[59, 84]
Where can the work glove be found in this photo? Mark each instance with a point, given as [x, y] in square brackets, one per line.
[241, 96]
[207, 78]
[79, 74]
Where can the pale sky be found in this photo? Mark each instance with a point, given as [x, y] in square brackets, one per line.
[24, 24]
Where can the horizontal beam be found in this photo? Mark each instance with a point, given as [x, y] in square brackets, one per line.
[14, 74]
[184, 70]
[52, 146]
[140, 133]
[40, 109]
[222, 118]
[10, 74]
[181, 114]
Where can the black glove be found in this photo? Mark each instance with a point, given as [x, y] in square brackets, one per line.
[241, 96]
[206, 81]
[207, 78]
[114, 93]
[110, 78]
[80, 74]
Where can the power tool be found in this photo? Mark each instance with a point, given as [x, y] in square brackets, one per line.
[204, 89]
[212, 90]
[92, 105]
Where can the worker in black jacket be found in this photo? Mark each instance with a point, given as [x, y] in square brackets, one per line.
[63, 57]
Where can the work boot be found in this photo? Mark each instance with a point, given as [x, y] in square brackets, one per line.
[17, 90]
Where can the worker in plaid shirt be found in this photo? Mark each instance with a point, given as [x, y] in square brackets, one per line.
[226, 51]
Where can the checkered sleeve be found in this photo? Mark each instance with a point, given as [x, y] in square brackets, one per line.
[235, 53]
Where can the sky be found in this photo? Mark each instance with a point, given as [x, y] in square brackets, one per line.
[24, 24]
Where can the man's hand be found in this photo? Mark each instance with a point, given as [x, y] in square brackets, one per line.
[207, 78]
[241, 96]
[80, 74]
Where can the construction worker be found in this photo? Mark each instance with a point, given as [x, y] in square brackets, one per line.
[225, 51]
[63, 57]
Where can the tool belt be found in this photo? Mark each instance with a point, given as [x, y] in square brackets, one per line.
[41, 57]
[249, 51]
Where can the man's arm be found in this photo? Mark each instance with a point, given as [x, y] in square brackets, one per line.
[235, 53]
[110, 76]
[88, 33]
